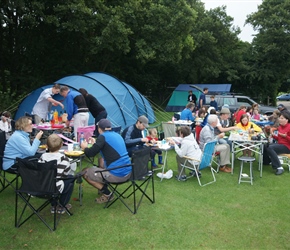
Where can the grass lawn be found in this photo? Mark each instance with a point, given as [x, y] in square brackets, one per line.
[223, 215]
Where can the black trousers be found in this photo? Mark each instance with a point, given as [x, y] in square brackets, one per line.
[271, 154]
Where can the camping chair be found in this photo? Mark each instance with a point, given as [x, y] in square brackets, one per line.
[4, 181]
[138, 183]
[204, 162]
[38, 181]
[169, 129]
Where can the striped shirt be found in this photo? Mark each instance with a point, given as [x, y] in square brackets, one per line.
[63, 166]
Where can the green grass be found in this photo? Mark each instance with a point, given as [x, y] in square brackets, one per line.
[223, 215]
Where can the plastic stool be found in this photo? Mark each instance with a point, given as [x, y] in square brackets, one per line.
[245, 177]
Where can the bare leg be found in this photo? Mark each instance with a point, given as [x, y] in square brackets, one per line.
[93, 183]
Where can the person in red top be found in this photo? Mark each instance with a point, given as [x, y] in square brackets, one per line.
[153, 138]
[239, 113]
[281, 147]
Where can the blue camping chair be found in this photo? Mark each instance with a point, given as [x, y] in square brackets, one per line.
[206, 161]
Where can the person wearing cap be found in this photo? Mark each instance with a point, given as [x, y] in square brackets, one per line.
[283, 109]
[133, 135]
[207, 135]
[76, 108]
[223, 125]
[113, 150]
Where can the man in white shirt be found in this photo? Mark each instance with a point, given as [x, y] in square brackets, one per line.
[44, 102]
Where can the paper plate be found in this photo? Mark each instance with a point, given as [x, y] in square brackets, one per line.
[74, 153]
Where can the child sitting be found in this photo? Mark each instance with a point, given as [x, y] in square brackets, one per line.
[256, 115]
[64, 168]
[152, 137]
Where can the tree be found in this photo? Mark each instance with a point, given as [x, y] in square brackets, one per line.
[271, 47]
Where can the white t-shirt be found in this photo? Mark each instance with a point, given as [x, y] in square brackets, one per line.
[42, 105]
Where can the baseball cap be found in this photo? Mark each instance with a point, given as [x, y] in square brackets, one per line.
[225, 111]
[104, 124]
[143, 119]
[280, 106]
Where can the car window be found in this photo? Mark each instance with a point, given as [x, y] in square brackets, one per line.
[244, 101]
[228, 100]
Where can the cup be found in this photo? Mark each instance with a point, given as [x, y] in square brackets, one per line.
[70, 147]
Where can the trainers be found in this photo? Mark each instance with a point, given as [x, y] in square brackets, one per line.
[181, 178]
[60, 210]
[52, 209]
[279, 171]
[193, 173]
[225, 169]
[68, 206]
[105, 198]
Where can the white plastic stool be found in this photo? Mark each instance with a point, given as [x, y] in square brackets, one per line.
[244, 177]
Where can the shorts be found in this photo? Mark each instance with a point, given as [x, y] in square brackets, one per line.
[98, 177]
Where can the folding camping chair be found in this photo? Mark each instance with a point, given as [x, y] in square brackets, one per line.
[4, 181]
[204, 162]
[138, 183]
[38, 180]
[169, 129]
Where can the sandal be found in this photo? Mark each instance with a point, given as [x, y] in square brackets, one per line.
[105, 198]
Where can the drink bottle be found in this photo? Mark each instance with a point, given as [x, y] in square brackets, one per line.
[82, 137]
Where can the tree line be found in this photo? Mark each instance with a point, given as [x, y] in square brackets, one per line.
[153, 45]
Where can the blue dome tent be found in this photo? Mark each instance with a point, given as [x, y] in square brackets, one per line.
[123, 103]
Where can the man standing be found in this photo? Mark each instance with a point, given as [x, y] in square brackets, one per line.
[76, 108]
[112, 147]
[202, 100]
[44, 103]
[207, 135]
[133, 135]
[97, 109]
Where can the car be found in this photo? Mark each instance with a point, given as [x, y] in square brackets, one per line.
[235, 101]
[285, 97]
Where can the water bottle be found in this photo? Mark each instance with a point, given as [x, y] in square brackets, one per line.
[163, 142]
[82, 137]
[51, 115]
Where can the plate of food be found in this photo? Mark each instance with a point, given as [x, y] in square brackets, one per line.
[43, 146]
[74, 153]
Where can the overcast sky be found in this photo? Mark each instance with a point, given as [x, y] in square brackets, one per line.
[238, 9]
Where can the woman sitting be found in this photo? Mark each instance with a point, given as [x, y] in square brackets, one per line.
[19, 144]
[281, 147]
[249, 127]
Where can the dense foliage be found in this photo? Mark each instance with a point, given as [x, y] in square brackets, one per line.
[152, 44]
